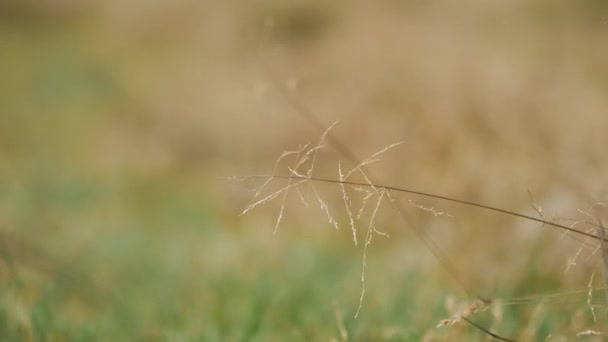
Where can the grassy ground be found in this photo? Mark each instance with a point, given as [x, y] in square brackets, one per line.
[120, 123]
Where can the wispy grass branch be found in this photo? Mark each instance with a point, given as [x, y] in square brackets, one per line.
[443, 198]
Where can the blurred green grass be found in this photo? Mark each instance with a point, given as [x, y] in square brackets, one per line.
[118, 122]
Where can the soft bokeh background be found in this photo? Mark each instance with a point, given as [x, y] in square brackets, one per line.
[121, 121]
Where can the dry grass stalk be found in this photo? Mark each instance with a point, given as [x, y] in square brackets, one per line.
[431, 210]
[531, 331]
[274, 169]
[536, 206]
[347, 204]
[604, 247]
[371, 227]
[306, 154]
[359, 168]
[376, 190]
[270, 197]
[590, 296]
[324, 207]
[479, 305]
[368, 240]
[308, 115]
[556, 225]
[590, 333]
[340, 323]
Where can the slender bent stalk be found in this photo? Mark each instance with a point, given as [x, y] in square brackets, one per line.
[449, 199]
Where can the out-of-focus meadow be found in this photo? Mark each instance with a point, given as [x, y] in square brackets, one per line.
[122, 121]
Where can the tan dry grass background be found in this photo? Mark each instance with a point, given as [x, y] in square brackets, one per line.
[492, 99]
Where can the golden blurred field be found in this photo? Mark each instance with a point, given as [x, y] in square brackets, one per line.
[122, 123]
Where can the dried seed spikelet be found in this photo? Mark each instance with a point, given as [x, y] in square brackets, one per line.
[479, 305]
